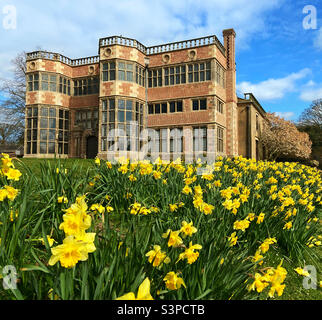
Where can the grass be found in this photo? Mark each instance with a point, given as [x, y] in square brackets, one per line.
[34, 165]
[294, 289]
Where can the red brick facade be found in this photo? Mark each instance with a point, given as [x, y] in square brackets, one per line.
[72, 106]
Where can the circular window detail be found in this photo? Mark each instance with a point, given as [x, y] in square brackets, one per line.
[91, 69]
[107, 52]
[166, 58]
[192, 54]
[32, 65]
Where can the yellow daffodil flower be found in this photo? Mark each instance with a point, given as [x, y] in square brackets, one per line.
[143, 292]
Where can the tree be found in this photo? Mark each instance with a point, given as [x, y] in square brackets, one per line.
[281, 139]
[11, 129]
[310, 121]
[312, 116]
[7, 133]
[14, 92]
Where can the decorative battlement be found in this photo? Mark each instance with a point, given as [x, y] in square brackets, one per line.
[167, 47]
[59, 57]
[187, 44]
[109, 41]
[118, 40]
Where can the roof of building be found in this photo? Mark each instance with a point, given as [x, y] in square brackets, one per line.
[120, 40]
[249, 97]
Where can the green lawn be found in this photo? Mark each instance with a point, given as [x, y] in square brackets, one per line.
[35, 164]
[294, 289]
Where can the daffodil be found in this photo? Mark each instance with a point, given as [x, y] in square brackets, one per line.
[288, 225]
[190, 254]
[302, 272]
[70, 252]
[97, 207]
[135, 208]
[276, 287]
[109, 209]
[187, 228]
[207, 208]
[143, 292]
[260, 218]
[13, 174]
[3, 194]
[157, 175]
[265, 245]
[6, 161]
[172, 281]
[186, 189]
[76, 220]
[62, 199]
[174, 239]
[257, 257]
[50, 240]
[173, 207]
[132, 178]
[233, 239]
[241, 224]
[258, 283]
[198, 190]
[157, 257]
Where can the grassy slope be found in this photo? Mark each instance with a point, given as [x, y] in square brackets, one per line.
[294, 289]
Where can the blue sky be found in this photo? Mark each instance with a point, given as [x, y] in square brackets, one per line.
[277, 58]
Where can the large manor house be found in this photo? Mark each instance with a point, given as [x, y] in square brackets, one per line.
[172, 99]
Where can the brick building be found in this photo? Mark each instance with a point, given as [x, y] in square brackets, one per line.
[175, 99]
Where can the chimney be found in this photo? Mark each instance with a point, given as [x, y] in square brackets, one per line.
[229, 44]
[229, 36]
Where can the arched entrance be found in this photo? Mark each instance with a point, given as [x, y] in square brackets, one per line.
[91, 147]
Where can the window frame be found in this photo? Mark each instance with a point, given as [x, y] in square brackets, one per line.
[200, 137]
[198, 100]
[162, 104]
[31, 81]
[220, 139]
[85, 86]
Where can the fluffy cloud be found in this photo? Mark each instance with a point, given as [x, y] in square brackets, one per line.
[311, 94]
[272, 89]
[74, 27]
[286, 115]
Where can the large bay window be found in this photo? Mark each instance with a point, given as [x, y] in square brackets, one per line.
[31, 130]
[122, 123]
[48, 128]
[48, 82]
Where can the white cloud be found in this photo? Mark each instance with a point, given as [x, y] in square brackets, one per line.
[272, 89]
[310, 83]
[74, 27]
[286, 115]
[311, 94]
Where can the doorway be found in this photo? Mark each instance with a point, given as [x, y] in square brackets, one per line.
[91, 147]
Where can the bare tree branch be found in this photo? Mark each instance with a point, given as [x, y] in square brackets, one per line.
[13, 105]
[313, 115]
